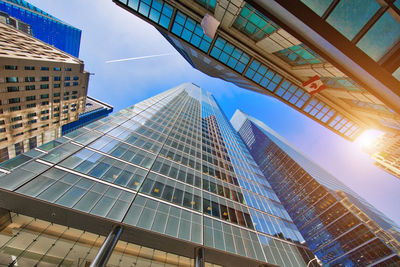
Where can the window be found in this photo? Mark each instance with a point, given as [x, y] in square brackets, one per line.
[2, 130]
[74, 97]
[29, 68]
[32, 130]
[230, 55]
[12, 88]
[30, 98]
[209, 4]
[76, 78]
[66, 93]
[67, 69]
[57, 85]
[19, 148]
[57, 78]
[44, 68]
[74, 92]
[57, 69]
[12, 79]
[319, 6]
[254, 24]
[382, 36]
[190, 31]
[44, 103]
[67, 78]
[299, 55]
[18, 134]
[31, 105]
[32, 142]
[29, 87]
[10, 67]
[44, 86]
[66, 98]
[56, 94]
[45, 112]
[13, 100]
[44, 126]
[32, 121]
[15, 108]
[44, 78]
[56, 115]
[56, 109]
[262, 75]
[2, 122]
[349, 16]
[44, 96]
[30, 115]
[75, 83]
[18, 118]
[158, 11]
[15, 126]
[45, 118]
[56, 101]
[29, 79]
[66, 84]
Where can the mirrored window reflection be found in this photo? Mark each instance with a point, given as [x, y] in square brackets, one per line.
[163, 218]
[229, 238]
[254, 24]
[106, 168]
[299, 55]
[73, 191]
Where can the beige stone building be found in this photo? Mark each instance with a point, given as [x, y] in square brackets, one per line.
[41, 89]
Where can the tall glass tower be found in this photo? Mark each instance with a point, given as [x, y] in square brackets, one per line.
[44, 26]
[340, 227]
[170, 170]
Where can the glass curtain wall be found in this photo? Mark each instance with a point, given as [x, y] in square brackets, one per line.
[171, 164]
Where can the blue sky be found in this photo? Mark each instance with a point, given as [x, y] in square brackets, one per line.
[109, 32]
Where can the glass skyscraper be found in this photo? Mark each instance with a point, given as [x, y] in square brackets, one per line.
[340, 227]
[170, 170]
[44, 26]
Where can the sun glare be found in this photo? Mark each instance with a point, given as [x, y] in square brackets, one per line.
[367, 138]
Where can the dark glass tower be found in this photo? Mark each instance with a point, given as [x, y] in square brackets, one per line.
[340, 227]
[44, 26]
[171, 171]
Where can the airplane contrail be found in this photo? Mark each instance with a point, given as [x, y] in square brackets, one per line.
[136, 58]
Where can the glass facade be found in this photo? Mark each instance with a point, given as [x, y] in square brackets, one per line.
[27, 241]
[339, 226]
[172, 165]
[44, 26]
[226, 58]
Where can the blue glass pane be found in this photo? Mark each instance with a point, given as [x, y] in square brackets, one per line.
[349, 16]
[381, 37]
[45, 27]
[318, 6]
